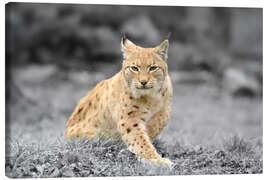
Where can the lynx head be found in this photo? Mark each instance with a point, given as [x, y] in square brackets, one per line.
[144, 69]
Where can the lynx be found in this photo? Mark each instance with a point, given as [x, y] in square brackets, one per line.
[134, 103]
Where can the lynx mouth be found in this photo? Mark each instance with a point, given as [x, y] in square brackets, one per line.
[144, 88]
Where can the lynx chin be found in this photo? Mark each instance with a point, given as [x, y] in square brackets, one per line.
[134, 104]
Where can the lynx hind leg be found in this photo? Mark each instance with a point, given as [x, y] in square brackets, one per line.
[81, 130]
[79, 124]
[156, 124]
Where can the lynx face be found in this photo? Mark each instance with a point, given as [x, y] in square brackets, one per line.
[144, 69]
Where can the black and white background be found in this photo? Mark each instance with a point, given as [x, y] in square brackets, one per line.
[55, 53]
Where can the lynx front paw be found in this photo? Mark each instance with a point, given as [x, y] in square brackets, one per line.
[159, 161]
[162, 161]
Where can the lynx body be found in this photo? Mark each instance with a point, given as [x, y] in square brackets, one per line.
[135, 103]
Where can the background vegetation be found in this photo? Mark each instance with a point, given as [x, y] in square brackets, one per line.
[55, 53]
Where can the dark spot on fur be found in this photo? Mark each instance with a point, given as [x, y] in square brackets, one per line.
[121, 117]
[164, 92]
[143, 119]
[128, 130]
[80, 110]
[125, 105]
[79, 119]
[130, 97]
[141, 137]
[145, 112]
[96, 125]
[123, 124]
[137, 107]
[90, 103]
[132, 145]
[135, 125]
[141, 146]
[129, 113]
[97, 97]
[135, 139]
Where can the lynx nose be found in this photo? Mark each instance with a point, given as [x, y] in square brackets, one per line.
[143, 83]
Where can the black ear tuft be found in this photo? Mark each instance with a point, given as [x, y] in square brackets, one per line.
[168, 36]
[125, 44]
[123, 36]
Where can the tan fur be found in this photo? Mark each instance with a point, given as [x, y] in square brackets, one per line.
[118, 105]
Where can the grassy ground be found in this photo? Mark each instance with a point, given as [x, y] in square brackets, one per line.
[209, 132]
[109, 158]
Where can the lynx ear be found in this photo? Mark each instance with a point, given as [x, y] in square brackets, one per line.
[125, 44]
[162, 50]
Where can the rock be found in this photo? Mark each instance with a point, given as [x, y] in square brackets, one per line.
[239, 83]
[142, 29]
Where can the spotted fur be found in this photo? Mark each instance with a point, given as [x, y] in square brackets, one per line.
[134, 103]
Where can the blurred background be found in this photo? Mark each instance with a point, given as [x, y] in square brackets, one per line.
[55, 53]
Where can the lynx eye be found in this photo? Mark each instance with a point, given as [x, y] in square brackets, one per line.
[134, 68]
[153, 68]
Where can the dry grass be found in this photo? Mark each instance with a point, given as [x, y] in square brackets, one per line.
[101, 157]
